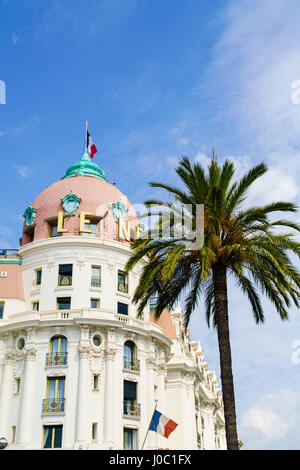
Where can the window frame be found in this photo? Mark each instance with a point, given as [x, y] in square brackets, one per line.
[93, 266]
[133, 430]
[123, 275]
[62, 360]
[38, 279]
[52, 427]
[57, 303]
[93, 220]
[65, 276]
[94, 431]
[96, 382]
[36, 302]
[2, 306]
[98, 303]
[122, 303]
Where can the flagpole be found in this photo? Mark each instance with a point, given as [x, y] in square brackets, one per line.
[148, 427]
[85, 140]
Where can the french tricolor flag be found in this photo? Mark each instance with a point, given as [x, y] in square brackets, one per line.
[90, 144]
[161, 424]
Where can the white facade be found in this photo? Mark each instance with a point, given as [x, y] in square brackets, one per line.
[85, 391]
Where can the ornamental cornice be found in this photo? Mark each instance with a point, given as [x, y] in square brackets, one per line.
[80, 259]
[207, 409]
[151, 363]
[96, 352]
[130, 335]
[58, 329]
[9, 357]
[30, 354]
[189, 378]
[131, 376]
[111, 267]
[55, 373]
[84, 352]
[110, 353]
[162, 368]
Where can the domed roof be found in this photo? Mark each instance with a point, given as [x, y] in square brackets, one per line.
[91, 193]
[85, 167]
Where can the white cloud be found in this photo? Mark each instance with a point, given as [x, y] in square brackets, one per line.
[27, 124]
[273, 419]
[203, 159]
[23, 171]
[266, 421]
[256, 62]
[275, 185]
[172, 161]
[14, 38]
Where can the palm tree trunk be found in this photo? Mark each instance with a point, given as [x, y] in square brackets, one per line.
[221, 305]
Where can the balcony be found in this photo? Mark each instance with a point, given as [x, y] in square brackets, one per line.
[131, 409]
[56, 359]
[95, 281]
[130, 364]
[102, 315]
[54, 405]
[8, 252]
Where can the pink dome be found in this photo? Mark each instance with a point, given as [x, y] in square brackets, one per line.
[97, 197]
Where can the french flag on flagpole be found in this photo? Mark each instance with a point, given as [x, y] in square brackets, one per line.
[161, 424]
[91, 147]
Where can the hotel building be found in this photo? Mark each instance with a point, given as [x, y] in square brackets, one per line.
[78, 368]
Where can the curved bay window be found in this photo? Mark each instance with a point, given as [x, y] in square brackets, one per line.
[130, 356]
[57, 355]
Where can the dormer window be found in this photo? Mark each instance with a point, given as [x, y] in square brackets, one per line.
[53, 230]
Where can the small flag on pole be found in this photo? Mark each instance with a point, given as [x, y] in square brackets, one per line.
[90, 146]
[161, 424]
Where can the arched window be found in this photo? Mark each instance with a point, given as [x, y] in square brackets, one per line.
[130, 356]
[57, 351]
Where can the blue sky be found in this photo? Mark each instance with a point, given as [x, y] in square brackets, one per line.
[156, 80]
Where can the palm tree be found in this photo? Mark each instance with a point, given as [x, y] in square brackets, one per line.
[238, 241]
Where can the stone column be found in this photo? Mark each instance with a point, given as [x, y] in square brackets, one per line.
[109, 398]
[191, 411]
[209, 426]
[223, 442]
[82, 419]
[6, 393]
[27, 399]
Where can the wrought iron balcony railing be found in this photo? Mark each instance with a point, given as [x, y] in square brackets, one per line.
[56, 359]
[54, 405]
[131, 364]
[131, 408]
[6, 252]
[64, 280]
[95, 281]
